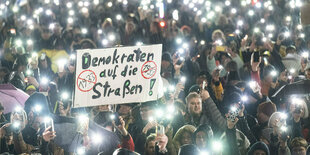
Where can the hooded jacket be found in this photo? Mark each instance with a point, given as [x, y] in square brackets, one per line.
[259, 146]
[179, 135]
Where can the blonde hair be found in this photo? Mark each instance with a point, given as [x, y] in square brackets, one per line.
[191, 96]
[179, 134]
[218, 31]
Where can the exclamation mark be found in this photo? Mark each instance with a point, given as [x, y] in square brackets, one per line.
[151, 86]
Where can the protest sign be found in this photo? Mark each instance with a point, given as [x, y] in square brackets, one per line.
[117, 75]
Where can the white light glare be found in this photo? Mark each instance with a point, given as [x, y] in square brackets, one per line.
[202, 42]
[69, 5]
[179, 40]
[139, 43]
[252, 84]
[29, 42]
[244, 98]
[286, 34]
[81, 151]
[71, 12]
[183, 79]
[44, 80]
[251, 13]
[175, 15]
[96, 138]
[65, 95]
[37, 108]
[283, 128]
[18, 109]
[112, 116]
[217, 146]
[227, 3]
[111, 37]
[109, 4]
[233, 10]
[70, 20]
[19, 42]
[233, 109]
[292, 70]
[273, 73]
[219, 42]
[118, 17]
[48, 12]
[23, 17]
[283, 115]
[240, 23]
[84, 30]
[96, 2]
[305, 54]
[104, 42]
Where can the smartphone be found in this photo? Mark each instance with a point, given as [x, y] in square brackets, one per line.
[220, 48]
[232, 116]
[298, 109]
[13, 31]
[43, 56]
[256, 57]
[161, 130]
[204, 85]
[284, 133]
[305, 60]
[281, 37]
[115, 118]
[48, 122]
[83, 123]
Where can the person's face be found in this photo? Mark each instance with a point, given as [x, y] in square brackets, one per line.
[291, 51]
[165, 64]
[259, 152]
[45, 34]
[153, 28]
[150, 149]
[293, 108]
[145, 113]
[268, 78]
[22, 68]
[283, 76]
[76, 31]
[186, 138]
[224, 59]
[195, 106]
[2, 74]
[307, 75]
[217, 36]
[201, 139]
[129, 27]
[299, 151]
[124, 110]
[262, 118]
[103, 108]
[44, 63]
[199, 81]
[30, 91]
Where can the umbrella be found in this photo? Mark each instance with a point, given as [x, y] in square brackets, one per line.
[11, 97]
[297, 88]
[68, 138]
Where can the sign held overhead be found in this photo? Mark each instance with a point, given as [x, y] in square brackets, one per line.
[117, 75]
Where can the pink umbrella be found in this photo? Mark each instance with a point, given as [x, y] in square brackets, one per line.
[11, 97]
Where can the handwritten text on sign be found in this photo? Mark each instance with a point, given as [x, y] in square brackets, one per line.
[117, 75]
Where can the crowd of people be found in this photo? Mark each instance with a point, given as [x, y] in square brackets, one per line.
[224, 64]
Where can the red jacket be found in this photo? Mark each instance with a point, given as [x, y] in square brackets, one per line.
[127, 143]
